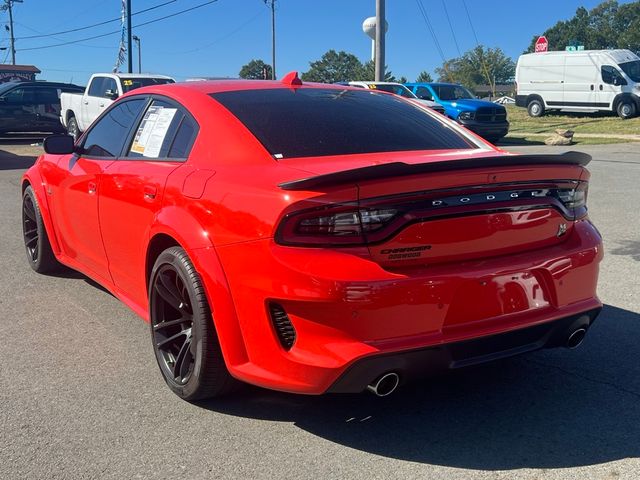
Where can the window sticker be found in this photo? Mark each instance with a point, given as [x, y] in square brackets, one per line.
[152, 131]
[127, 83]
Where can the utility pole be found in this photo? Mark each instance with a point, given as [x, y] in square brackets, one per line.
[380, 31]
[8, 4]
[129, 49]
[272, 5]
[139, 42]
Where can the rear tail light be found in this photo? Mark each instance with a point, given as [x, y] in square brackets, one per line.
[573, 199]
[334, 226]
[350, 225]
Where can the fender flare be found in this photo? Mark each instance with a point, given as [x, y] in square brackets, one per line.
[33, 179]
[624, 96]
[176, 223]
[535, 96]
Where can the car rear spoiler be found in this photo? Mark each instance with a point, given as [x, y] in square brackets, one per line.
[398, 169]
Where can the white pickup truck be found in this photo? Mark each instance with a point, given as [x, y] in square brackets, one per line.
[79, 110]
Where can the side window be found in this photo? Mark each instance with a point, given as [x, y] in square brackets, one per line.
[106, 138]
[164, 132]
[611, 76]
[424, 93]
[96, 88]
[47, 96]
[21, 96]
[109, 86]
[183, 140]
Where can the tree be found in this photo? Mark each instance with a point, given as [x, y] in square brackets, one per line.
[478, 66]
[334, 67]
[368, 73]
[608, 25]
[256, 70]
[344, 67]
[424, 77]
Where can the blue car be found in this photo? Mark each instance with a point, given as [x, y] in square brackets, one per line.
[487, 119]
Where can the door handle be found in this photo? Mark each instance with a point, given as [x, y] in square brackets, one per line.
[101, 105]
[150, 192]
[591, 87]
[86, 103]
[600, 87]
[92, 187]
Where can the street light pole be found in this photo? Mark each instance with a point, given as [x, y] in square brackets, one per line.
[137, 40]
[272, 5]
[129, 60]
[380, 31]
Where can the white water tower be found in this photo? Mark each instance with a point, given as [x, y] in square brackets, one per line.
[369, 27]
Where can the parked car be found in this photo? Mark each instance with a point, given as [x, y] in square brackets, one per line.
[32, 106]
[397, 89]
[79, 110]
[587, 80]
[482, 117]
[315, 238]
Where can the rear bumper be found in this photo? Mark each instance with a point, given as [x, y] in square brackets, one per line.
[346, 309]
[487, 130]
[419, 363]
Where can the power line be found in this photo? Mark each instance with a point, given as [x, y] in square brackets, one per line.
[453, 33]
[223, 37]
[57, 38]
[470, 22]
[94, 25]
[484, 65]
[119, 31]
[425, 17]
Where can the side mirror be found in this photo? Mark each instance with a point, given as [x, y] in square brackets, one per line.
[618, 81]
[59, 144]
[111, 94]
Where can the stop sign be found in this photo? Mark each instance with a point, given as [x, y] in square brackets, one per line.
[541, 44]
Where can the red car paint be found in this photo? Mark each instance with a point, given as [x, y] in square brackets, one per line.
[431, 281]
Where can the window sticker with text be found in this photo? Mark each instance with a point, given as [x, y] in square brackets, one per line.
[152, 131]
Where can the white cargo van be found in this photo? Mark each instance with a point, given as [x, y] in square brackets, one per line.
[587, 80]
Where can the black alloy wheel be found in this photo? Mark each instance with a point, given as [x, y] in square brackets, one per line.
[182, 330]
[36, 242]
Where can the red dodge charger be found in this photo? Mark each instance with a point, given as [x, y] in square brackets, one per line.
[315, 238]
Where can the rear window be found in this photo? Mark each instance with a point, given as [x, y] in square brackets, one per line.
[132, 83]
[306, 122]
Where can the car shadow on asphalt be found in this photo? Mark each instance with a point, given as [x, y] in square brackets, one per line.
[66, 272]
[550, 409]
[629, 248]
[11, 161]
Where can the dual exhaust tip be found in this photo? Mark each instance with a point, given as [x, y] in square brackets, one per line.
[386, 384]
[576, 338]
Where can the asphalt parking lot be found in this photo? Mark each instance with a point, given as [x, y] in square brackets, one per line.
[82, 397]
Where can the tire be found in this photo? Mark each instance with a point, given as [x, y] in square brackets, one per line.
[626, 109]
[72, 128]
[36, 241]
[184, 340]
[535, 108]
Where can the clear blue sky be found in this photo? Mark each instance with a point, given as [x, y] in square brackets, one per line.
[217, 39]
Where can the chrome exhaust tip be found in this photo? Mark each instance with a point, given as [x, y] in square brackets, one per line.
[576, 338]
[385, 385]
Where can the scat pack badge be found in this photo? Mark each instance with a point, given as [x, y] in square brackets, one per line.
[404, 253]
